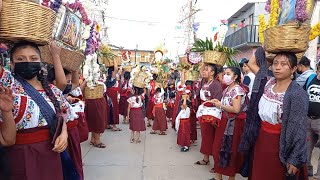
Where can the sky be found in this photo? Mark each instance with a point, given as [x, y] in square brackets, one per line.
[148, 23]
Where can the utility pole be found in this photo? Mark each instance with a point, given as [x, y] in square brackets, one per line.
[135, 54]
[188, 15]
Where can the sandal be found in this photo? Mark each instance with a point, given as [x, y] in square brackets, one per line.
[138, 141]
[132, 140]
[153, 132]
[148, 125]
[99, 145]
[212, 170]
[162, 133]
[116, 129]
[200, 162]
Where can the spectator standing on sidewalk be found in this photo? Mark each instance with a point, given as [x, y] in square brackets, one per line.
[312, 86]
[304, 70]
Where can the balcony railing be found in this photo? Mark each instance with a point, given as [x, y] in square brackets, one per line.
[248, 35]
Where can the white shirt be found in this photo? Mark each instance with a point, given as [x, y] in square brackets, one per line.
[252, 77]
[271, 105]
[183, 114]
[159, 97]
[179, 87]
[133, 103]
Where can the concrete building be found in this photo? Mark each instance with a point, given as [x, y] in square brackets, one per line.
[245, 36]
[136, 55]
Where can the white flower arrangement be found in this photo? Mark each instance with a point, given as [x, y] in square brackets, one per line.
[91, 70]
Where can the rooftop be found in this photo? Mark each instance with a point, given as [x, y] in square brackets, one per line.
[242, 10]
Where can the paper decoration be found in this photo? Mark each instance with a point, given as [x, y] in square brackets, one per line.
[194, 57]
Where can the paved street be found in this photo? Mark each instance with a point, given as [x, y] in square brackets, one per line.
[155, 158]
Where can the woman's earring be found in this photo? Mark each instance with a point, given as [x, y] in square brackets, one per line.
[292, 76]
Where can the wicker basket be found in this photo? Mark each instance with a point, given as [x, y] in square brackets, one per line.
[214, 57]
[95, 93]
[70, 60]
[127, 68]
[271, 56]
[288, 37]
[139, 80]
[191, 75]
[109, 62]
[24, 20]
[188, 76]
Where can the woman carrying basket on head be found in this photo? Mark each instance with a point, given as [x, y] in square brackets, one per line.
[41, 129]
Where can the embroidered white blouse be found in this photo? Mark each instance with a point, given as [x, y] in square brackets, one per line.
[78, 107]
[180, 87]
[133, 103]
[271, 104]
[203, 91]
[159, 97]
[229, 95]
[26, 112]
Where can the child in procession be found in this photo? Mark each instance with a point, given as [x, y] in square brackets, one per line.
[135, 113]
[170, 105]
[160, 122]
[183, 124]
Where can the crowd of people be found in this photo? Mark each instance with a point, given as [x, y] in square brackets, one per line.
[259, 117]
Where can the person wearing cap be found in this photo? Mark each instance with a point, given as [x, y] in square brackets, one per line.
[248, 75]
[312, 86]
[304, 70]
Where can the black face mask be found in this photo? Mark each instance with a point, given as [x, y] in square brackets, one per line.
[27, 70]
[67, 89]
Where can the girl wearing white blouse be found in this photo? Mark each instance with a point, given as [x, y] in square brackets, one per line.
[137, 123]
[183, 126]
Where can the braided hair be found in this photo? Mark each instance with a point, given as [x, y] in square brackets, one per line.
[137, 92]
[42, 77]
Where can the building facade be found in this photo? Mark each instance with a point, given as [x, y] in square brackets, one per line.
[245, 34]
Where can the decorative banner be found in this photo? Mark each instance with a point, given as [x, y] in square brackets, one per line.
[233, 26]
[194, 57]
[195, 27]
[225, 22]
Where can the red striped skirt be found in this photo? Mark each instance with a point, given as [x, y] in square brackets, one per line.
[236, 159]
[113, 95]
[96, 114]
[123, 105]
[150, 106]
[193, 126]
[74, 148]
[82, 127]
[137, 120]
[183, 138]
[266, 157]
[207, 137]
[34, 161]
[175, 108]
[160, 122]
[169, 112]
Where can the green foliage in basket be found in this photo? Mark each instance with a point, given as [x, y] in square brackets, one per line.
[200, 45]
[207, 45]
[105, 51]
[182, 66]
